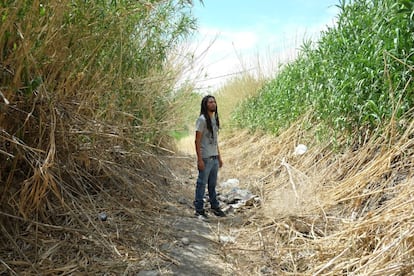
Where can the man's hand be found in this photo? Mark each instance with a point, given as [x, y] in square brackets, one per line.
[200, 165]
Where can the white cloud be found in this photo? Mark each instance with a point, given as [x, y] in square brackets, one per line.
[225, 52]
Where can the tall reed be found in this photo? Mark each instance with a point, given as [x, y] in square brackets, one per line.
[86, 91]
[355, 78]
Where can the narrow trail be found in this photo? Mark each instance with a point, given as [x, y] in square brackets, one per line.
[199, 247]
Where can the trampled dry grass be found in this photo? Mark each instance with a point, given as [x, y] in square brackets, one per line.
[324, 212]
[68, 237]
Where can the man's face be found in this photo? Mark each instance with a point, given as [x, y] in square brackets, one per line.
[211, 105]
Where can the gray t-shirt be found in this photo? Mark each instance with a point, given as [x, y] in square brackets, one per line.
[209, 143]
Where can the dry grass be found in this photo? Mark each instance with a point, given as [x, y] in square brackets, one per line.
[324, 212]
[61, 165]
[71, 149]
[49, 221]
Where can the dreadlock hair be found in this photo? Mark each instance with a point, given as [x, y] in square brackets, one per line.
[204, 111]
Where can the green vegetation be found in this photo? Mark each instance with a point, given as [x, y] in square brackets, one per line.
[76, 76]
[106, 55]
[358, 76]
[234, 92]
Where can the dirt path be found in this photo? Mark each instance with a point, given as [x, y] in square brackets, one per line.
[198, 245]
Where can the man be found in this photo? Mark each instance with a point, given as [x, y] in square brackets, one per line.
[208, 157]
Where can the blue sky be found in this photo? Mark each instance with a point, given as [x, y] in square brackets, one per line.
[248, 14]
[237, 35]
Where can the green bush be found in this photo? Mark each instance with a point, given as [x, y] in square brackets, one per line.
[78, 79]
[358, 75]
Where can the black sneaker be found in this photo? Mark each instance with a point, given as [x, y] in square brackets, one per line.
[201, 214]
[218, 212]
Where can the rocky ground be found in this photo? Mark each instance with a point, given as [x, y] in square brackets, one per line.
[198, 246]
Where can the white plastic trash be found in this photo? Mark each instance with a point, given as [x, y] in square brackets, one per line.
[230, 184]
[300, 149]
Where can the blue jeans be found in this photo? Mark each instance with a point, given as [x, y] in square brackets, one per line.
[207, 176]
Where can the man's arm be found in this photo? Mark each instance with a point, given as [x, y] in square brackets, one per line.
[200, 162]
[219, 157]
